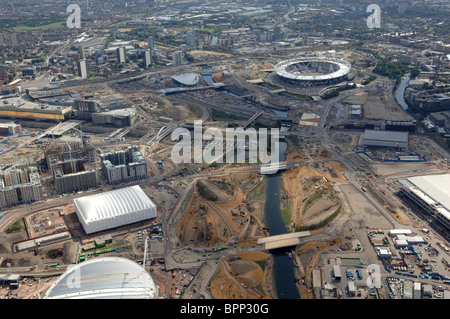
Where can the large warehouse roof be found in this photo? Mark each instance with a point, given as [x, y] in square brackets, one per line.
[391, 136]
[435, 186]
[114, 209]
[385, 139]
[104, 278]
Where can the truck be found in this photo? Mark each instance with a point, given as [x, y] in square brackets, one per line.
[359, 273]
[349, 274]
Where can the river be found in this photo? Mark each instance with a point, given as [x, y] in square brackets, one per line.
[400, 93]
[283, 272]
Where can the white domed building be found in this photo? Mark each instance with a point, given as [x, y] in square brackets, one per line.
[104, 278]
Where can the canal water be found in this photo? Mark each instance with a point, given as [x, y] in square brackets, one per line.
[283, 272]
[400, 93]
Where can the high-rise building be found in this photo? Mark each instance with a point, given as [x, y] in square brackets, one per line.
[150, 43]
[177, 57]
[81, 52]
[147, 58]
[190, 38]
[82, 69]
[277, 33]
[121, 55]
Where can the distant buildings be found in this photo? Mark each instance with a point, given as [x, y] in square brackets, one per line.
[121, 55]
[147, 58]
[190, 38]
[123, 166]
[177, 57]
[278, 33]
[82, 69]
[29, 72]
[20, 186]
[150, 43]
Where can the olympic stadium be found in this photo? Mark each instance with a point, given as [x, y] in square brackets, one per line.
[312, 71]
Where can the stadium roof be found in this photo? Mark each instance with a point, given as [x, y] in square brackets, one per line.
[104, 278]
[186, 79]
[343, 69]
[114, 209]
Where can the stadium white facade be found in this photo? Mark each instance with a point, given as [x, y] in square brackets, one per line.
[431, 193]
[312, 71]
[104, 278]
[114, 209]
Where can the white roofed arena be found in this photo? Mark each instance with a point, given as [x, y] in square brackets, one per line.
[104, 278]
[114, 209]
[312, 71]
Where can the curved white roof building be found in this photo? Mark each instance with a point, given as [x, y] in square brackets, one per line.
[188, 79]
[313, 70]
[114, 209]
[104, 278]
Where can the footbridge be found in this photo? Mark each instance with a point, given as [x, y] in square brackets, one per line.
[284, 240]
[253, 119]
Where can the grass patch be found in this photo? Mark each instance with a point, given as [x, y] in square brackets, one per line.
[196, 110]
[206, 193]
[17, 226]
[224, 117]
[41, 27]
[321, 223]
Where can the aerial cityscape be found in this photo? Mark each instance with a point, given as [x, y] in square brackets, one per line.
[237, 150]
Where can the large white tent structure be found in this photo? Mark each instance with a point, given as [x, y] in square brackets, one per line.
[114, 209]
[104, 278]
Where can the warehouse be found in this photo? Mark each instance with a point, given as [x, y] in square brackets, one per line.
[431, 193]
[113, 209]
[386, 139]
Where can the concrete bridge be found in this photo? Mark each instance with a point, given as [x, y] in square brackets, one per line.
[284, 240]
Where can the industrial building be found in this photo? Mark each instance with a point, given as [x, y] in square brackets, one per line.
[10, 128]
[431, 193]
[356, 112]
[123, 166]
[18, 108]
[385, 139]
[121, 117]
[114, 209]
[104, 278]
